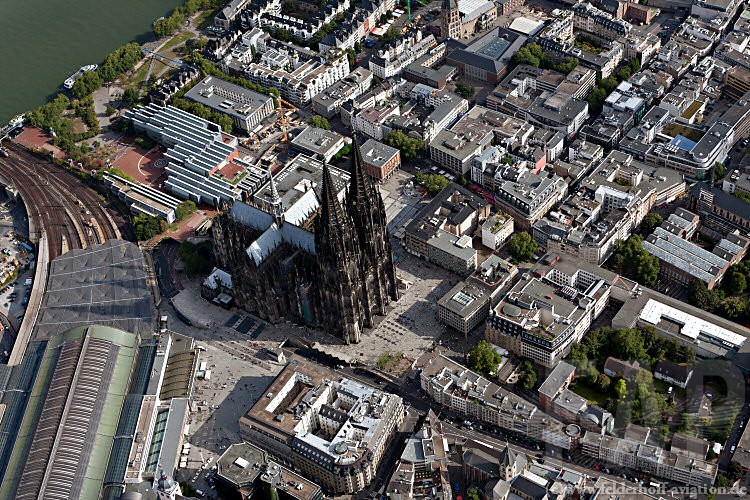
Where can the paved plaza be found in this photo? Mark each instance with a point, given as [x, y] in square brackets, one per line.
[239, 376]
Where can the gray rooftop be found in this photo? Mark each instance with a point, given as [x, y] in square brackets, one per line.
[103, 284]
[555, 380]
[492, 52]
[318, 141]
[227, 97]
[295, 180]
[684, 255]
[376, 153]
[463, 299]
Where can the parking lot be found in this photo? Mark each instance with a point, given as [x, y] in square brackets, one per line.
[14, 262]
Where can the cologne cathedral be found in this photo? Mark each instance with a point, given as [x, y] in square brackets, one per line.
[317, 253]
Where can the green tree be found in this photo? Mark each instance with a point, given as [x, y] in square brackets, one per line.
[289, 7]
[198, 259]
[484, 359]
[734, 307]
[719, 170]
[686, 424]
[524, 56]
[282, 34]
[187, 488]
[621, 389]
[390, 34]
[351, 55]
[734, 471]
[409, 146]
[596, 100]
[699, 294]
[735, 282]
[146, 226]
[603, 381]
[528, 377]
[434, 183]
[110, 110]
[86, 84]
[131, 96]
[627, 343]
[165, 26]
[651, 222]
[522, 247]
[632, 259]
[721, 481]
[184, 209]
[320, 122]
[647, 269]
[345, 150]
[464, 90]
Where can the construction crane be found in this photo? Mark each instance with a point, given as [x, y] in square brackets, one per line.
[283, 119]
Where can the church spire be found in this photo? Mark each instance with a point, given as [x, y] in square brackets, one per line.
[277, 207]
[332, 214]
[359, 187]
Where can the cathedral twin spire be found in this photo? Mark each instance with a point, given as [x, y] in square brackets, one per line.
[359, 198]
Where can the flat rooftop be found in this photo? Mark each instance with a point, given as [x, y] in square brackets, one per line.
[228, 98]
[318, 140]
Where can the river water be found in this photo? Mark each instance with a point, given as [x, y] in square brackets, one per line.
[45, 41]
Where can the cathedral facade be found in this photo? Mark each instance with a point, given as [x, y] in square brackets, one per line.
[314, 253]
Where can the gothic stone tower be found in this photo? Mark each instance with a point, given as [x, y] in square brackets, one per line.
[378, 273]
[450, 20]
[339, 286]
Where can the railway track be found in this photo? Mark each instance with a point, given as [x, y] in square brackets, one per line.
[59, 203]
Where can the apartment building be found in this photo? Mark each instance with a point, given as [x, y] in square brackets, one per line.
[551, 307]
[526, 196]
[328, 102]
[607, 206]
[399, 53]
[442, 231]
[331, 428]
[303, 83]
[496, 230]
[597, 23]
[671, 465]
[467, 393]
[370, 121]
[456, 148]
[467, 304]
[379, 160]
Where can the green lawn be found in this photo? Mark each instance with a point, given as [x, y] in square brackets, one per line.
[594, 396]
[176, 40]
[662, 388]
